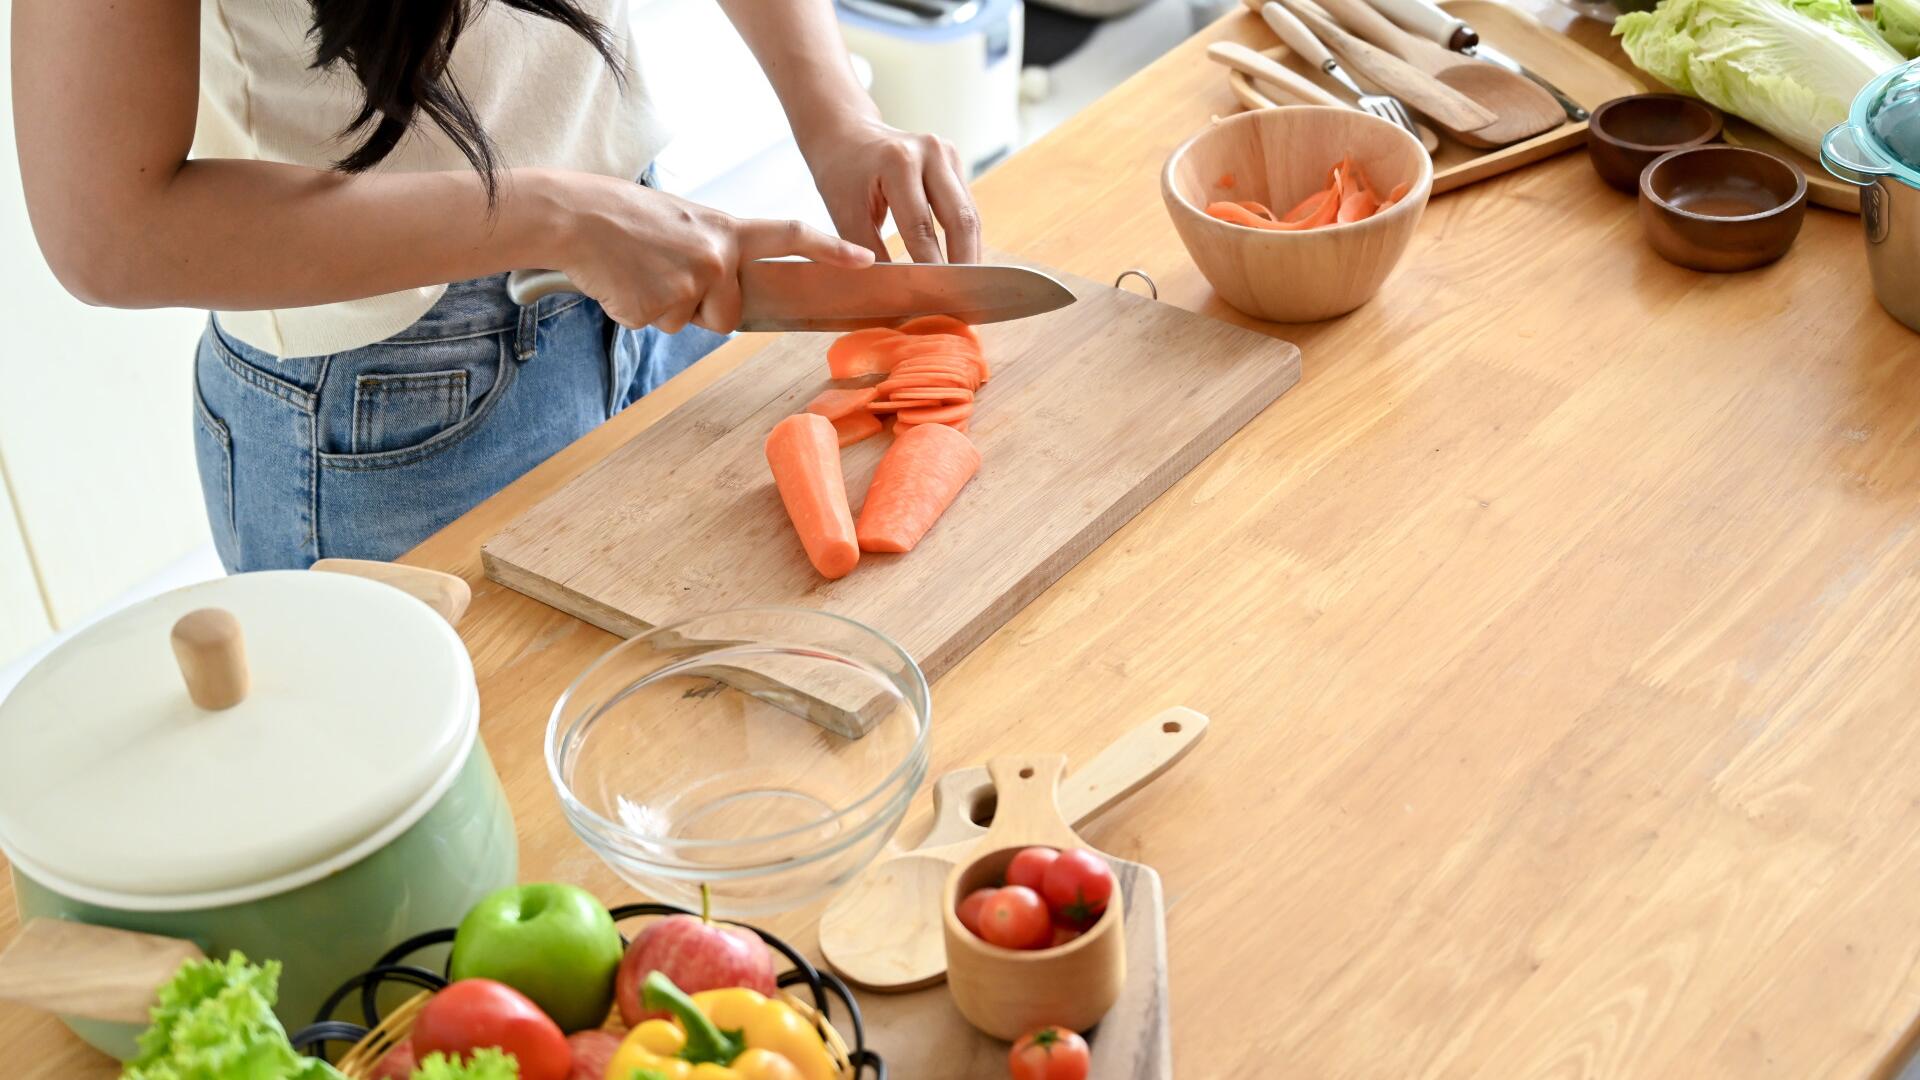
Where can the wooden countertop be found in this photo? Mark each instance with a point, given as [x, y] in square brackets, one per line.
[1559, 633]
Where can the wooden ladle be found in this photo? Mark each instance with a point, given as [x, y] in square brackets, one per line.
[1522, 109]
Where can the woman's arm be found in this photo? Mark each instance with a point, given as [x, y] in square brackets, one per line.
[863, 167]
[105, 94]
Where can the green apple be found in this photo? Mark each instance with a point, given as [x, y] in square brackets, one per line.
[554, 943]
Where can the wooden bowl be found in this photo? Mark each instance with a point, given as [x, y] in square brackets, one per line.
[1009, 992]
[1279, 157]
[1625, 135]
[1722, 208]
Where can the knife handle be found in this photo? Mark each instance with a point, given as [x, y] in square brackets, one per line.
[1426, 19]
[1294, 35]
[524, 287]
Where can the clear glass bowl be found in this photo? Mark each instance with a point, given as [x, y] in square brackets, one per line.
[767, 752]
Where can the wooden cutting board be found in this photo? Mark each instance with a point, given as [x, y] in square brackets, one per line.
[1092, 412]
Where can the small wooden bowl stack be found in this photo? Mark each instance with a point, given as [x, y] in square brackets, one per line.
[1009, 992]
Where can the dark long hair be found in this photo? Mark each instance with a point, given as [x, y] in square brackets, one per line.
[398, 50]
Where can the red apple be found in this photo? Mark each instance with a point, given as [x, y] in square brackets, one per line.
[697, 954]
[592, 1051]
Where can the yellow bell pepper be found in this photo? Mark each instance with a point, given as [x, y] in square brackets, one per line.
[732, 1034]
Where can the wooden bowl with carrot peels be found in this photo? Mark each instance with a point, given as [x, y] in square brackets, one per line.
[1297, 214]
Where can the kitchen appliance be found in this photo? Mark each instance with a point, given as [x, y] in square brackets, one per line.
[778, 294]
[950, 67]
[1878, 149]
[286, 763]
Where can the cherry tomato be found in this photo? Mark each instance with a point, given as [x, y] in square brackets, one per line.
[1029, 868]
[398, 1064]
[969, 910]
[1077, 887]
[593, 1050]
[476, 1013]
[1062, 935]
[1051, 1053]
[1016, 918]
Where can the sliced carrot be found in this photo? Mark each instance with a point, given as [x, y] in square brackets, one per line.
[863, 352]
[1399, 192]
[804, 453]
[936, 414]
[967, 374]
[834, 404]
[1310, 207]
[894, 406]
[1358, 206]
[1258, 209]
[953, 394]
[920, 476]
[940, 324]
[1225, 181]
[856, 426]
[1235, 214]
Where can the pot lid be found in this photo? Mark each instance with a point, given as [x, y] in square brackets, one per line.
[355, 702]
[1882, 134]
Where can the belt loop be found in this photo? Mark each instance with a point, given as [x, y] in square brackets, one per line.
[527, 336]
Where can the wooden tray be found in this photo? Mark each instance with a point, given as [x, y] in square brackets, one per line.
[1582, 75]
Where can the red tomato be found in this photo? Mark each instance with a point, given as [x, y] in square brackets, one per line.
[1029, 868]
[592, 1051]
[397, 1064]
[969, 910]
[1077, 887]
[473, 1014]
[1062, 935]
[1016, 918]
[1051, 1053]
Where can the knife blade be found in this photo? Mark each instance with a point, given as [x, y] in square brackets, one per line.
[778, 294]
[1431, 21]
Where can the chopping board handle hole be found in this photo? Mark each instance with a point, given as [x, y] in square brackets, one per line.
[1026, 773]
[1171, 727]
[1153, 291]
[981, 812]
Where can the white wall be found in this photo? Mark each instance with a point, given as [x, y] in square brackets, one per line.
[95, 428]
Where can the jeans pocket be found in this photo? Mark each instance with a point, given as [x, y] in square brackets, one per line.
[394, 412]
[213, 454]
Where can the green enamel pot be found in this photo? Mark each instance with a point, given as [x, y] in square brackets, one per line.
[286, 763]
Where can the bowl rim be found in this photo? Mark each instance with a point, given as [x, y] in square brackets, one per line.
[1798, 198]
[1418, 193]
[1595, 125]
[919, 697]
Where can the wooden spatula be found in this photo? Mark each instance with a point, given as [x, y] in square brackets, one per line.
[1449, 109]
[883, 931]
[91, 972]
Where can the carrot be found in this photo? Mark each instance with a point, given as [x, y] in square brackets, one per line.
[939, 324]
[1225, 181]
[1357, 206]
[920, 476]
[1399, 192]
[953, 394]
[804, 453]
[862, 352]
[1258, 209]
[1235, 214]
[922, 413]
[834, 404]
[856, 426]
[894, 406]
[1310, 207]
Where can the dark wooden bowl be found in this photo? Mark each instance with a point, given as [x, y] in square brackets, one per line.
[1625, 135]
[1722, 208]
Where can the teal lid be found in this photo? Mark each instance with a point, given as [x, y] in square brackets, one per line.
[1881, 136]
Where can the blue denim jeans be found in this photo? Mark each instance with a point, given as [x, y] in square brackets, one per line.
[364, 454]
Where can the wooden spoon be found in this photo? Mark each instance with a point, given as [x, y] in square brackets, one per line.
[1522, 109]
[884, 931]
[1449, 109]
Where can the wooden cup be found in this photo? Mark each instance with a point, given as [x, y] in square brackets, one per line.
[1009, 992]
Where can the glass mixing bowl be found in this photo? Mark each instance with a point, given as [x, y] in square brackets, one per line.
[767, 752]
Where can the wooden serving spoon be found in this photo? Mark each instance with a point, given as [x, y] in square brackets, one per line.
[1450, 110]
[1520, 107]
[884, 931]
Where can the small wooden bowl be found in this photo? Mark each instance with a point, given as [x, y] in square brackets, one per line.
[1279, 157]
[1009, 992]
[1625, 135]
[1722, 208]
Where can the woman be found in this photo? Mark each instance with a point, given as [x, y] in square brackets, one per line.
[314, 171]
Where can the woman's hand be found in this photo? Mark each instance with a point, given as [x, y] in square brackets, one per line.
[652, 259]
[864, 168]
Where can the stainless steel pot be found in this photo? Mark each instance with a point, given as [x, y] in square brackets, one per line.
[1878, 149]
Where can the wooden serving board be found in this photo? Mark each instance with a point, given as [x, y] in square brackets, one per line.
[1093, 411]
[923, 1035]
[1582, 75]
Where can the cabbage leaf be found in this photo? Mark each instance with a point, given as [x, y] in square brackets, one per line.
[1790, 66]
[1899, 23]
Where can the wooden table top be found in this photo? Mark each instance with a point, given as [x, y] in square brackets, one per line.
[1559, 632]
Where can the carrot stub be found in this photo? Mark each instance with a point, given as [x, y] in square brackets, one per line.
[804, 453]
[921, 474]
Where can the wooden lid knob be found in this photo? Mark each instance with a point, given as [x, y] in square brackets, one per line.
[213, 657]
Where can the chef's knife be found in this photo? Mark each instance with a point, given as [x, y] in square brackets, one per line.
[785, 295]
[1429, 20]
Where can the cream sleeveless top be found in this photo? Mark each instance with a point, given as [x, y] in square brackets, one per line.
[544, 95]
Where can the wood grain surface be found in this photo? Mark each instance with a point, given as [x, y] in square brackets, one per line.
[1558, 631]
[1091, 412]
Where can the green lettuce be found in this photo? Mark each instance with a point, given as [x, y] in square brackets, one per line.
[1899, 23]
[1790, 66]
[214, 1021]
[483, 1065]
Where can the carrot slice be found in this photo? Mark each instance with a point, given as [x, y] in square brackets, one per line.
[1399, 192]
[920, 476]
[894, 406]
[1258, 209]
[1358, 206]
[936, 414]
[856, 426]
[804, 452]
[939, 324]
[863, 352]
[1225, 181]
[937, 393]
[1311, 207]
[834, 404]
